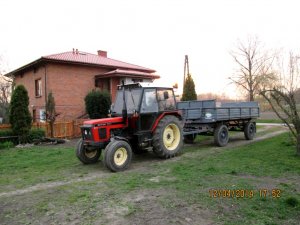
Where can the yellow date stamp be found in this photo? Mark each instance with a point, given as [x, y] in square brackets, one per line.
[244, 193]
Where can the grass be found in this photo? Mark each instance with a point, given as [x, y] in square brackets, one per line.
[25, 167]
[268, 121]
[173, 185]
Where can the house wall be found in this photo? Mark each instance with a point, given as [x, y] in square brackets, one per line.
[114, 82]
[28, 80]
[69, 85]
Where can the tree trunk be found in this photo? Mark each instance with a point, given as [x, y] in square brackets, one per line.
[251, 96]
[298, 145]
[52, 129]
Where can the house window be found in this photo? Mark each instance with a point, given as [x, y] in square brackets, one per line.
[38, 88]
[42, 115]
[103, 84]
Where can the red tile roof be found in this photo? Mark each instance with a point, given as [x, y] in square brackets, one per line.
[93, 59]
[75, 57]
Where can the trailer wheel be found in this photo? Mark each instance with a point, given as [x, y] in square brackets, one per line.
[221, 135]
[168, 137]
[189, 139]
[87, 155]
[118, 155]
[249, 130]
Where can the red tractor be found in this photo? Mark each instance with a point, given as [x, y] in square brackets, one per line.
[141, 117]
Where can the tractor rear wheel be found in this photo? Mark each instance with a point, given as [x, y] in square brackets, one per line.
[221, 135]
[118, 155]
[87, 155]
[189, 139]
[249, 130]
[168, 137]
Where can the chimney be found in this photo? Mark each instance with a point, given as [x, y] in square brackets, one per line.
[102, 53]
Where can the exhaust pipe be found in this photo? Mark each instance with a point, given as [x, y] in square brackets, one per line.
[124, 110]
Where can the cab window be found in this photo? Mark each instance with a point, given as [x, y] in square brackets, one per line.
[149, 102]
[166, 100]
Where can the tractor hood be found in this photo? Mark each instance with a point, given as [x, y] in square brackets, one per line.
[104, 121]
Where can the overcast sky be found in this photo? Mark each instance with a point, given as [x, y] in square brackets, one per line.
[150, 33]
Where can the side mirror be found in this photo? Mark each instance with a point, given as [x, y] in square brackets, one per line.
[166, 95]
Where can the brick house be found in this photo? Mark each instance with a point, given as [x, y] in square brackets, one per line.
[70, 76]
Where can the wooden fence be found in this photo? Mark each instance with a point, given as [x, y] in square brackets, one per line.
[62, 129]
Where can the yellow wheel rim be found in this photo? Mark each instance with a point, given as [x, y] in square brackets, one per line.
[171, 136]
[120, 156]
[90, 153]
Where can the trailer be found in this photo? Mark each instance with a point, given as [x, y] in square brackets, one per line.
[149, 118]
[210, 117]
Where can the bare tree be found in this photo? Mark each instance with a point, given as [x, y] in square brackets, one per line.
[254, 67]
[5, 91]
[282, 97]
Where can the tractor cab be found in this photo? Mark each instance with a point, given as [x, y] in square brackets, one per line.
[143, 103]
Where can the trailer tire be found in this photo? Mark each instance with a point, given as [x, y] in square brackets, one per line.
[168, 137]
[87, 155]
[249, 130]
[189, 139]
[221, 135]
[118, 155]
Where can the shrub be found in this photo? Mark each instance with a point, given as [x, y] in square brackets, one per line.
[19, 115]
[189, 92]
[97, 104]
[36, 133]
[6, 145]
[6, 133]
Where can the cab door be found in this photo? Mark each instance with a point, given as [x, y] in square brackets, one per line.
[149, 109]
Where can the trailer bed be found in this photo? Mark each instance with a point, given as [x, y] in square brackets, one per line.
[210, 111]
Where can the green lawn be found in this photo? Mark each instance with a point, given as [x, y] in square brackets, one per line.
[268, 121]
[153, 188]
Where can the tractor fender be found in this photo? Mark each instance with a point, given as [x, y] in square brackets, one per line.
[174, 113]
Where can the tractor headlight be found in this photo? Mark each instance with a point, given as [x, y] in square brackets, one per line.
[86, 133]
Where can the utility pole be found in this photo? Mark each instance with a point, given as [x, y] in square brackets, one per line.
[186, 69]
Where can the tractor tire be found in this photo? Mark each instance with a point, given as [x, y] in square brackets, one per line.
[168, 137]
[118, 155]
[87, 155]
[221, 135]
[249, 130]
[189, 139]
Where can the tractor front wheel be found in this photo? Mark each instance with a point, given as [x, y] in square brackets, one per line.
[168, 137]
[118, 155]
[87, 155]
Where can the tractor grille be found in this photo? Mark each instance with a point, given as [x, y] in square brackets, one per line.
[102, 133]
[86, 133]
